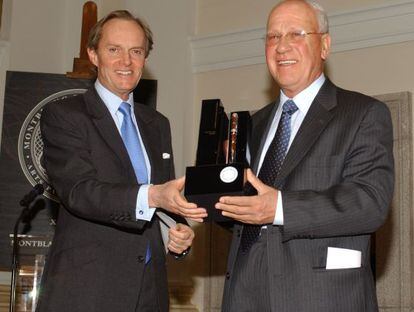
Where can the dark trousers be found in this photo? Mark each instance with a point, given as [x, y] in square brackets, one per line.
[249, 289]
[148, 297]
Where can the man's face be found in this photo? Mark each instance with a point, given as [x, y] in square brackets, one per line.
[295, 63]
[120, 56]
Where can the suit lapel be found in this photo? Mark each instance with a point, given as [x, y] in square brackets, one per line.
[317, 118]
[150, 135]
[261, 130]
[107, 128]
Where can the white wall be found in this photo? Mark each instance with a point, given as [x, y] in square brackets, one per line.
[36, 39]
[376, 70]
[44, 35]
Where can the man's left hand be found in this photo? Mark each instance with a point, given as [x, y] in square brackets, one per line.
[180, 238]
[258, 209]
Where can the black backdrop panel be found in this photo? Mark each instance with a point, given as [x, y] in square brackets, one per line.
[21, 148]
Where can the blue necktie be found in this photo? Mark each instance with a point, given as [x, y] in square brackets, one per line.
[131, 141]
[271, 166]
[130, 137]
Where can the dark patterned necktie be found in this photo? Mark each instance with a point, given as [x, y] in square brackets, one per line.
[270, 168]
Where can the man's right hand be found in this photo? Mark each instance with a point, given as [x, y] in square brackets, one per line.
[168, 196]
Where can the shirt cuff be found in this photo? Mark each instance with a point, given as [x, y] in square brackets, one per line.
[142, 210]
[279, 210]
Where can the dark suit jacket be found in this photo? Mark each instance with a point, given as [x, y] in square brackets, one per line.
[336, 183]
[97, 257]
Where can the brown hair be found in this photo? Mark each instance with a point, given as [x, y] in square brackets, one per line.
[96, 32]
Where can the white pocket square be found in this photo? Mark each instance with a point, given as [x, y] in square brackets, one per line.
[166, 156]
[341, 258]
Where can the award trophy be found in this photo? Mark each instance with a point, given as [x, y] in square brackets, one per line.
[221, 158]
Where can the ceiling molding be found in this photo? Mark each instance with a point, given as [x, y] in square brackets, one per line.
[372, 26]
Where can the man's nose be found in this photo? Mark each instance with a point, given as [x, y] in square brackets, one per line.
[283, 45]
[126, 58]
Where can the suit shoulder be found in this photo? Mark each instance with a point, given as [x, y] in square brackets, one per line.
[357, 107]
[349, 97]
[65, 106]
[150, 113]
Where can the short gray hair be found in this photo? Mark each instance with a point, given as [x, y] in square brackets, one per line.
[321, 16]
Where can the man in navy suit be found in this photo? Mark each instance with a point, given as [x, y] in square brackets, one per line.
[107, 253]
[325, 154]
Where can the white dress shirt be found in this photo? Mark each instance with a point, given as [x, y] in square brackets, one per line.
[303, 101]
[112, 102]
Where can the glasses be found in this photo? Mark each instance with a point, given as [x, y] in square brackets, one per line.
[291, 37]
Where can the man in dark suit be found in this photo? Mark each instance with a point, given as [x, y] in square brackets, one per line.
[110, 161]
[324, 164]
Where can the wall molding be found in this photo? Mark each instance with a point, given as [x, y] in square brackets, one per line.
[366, 27]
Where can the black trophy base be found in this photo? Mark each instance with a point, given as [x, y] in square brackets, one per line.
[204, 185]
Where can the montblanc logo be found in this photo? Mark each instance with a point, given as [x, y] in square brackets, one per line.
[30, 144]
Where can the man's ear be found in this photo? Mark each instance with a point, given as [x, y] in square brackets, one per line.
[93, 56]
[326, 46]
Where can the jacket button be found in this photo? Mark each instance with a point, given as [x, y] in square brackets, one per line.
[227, 275]
[141, 258]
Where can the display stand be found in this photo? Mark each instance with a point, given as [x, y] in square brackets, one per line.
[28, 273]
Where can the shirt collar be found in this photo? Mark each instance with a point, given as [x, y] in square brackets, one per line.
[304, 99]
[111, 100]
